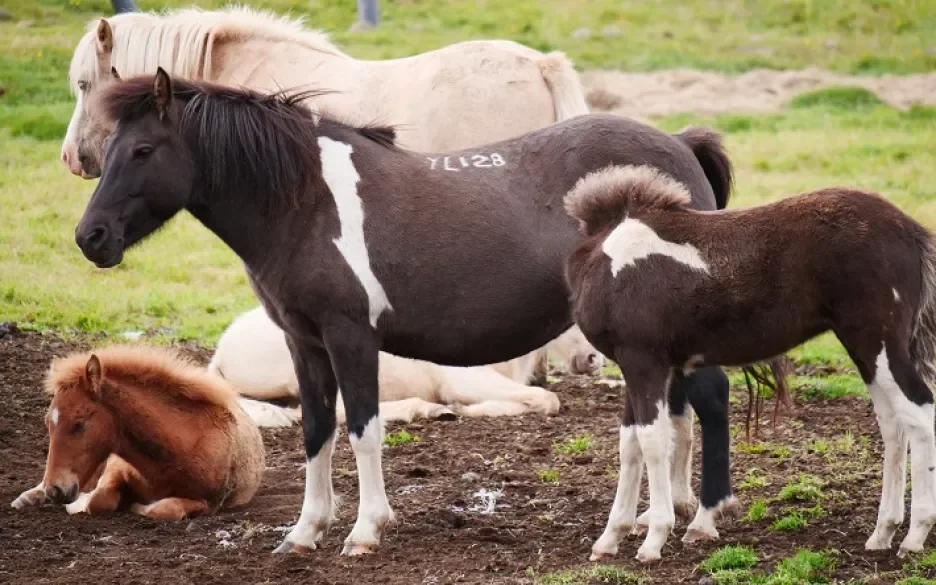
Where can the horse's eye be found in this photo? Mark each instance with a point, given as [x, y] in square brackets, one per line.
[142, 151]
[78, 428]
[83, 85]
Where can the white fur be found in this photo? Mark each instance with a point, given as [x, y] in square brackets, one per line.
[624, 510]
[342, 179]
[70, 144]
[31, 497]
[702, 526]
[633, 240]
[903, 422]
[54, 416]
[896, 295]
[253, 357]
[374, 511]
[655, 444]
[318, 505]
[681, 470]
[80, 504]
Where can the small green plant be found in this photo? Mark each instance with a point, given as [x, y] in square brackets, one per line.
[781, 452]
[804, 567]
[549, 476]
[807, 489]
[729, 557]
[845, 444]
[814, 512]
[818, 446]
[754, 478]
[752, 448]
[611, 370]
[757, 511]
[401, 437]
[790, 522]
[829, 387]
[598, 574]
[579, 444]
[840, 98]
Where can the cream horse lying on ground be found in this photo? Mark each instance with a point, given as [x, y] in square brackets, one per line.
[252, 356]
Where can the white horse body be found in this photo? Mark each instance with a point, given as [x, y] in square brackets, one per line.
[253, 357]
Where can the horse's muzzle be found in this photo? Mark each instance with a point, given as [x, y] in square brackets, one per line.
[99, 247]
[60, 495]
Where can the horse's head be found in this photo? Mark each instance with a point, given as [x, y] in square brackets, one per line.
[82, 433]
[148, 173]
[91, 70]
[578, 354]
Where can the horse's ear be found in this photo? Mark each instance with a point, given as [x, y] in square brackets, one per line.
[114, 73]
[93, 372]
[162, 89]
[105, 38]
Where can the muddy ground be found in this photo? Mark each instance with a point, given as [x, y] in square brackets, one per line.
[439, 536]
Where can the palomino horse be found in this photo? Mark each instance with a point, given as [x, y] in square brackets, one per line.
[745, 285]
[463, 95]
[354, 245]
[253, 357]
[143, 427]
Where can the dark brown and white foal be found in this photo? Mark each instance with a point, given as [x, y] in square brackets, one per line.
[662, 289]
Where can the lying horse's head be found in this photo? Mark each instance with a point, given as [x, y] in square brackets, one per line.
[82, 431]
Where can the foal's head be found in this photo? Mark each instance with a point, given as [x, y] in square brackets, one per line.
[180, 144]
[82, 430]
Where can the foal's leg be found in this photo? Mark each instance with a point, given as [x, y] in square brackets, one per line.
[317, 393]
[171, 509]
[630, 476]
[353, 351]
[31, 497]
[118, 476]
[708, 390]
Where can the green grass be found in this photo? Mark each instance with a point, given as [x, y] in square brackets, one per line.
[184, 284]
[549, 476]
[401, 437]
[807, 488]
[593, 575]
[790, 522]
[804, 567]
[729, 557]
[574, 446]
[757, 512]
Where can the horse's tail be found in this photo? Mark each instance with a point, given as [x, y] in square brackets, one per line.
[564, 85]
[923, 335]
[706, 145]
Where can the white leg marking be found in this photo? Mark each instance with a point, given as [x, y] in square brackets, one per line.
[374, 511]
[318, 505]
[79, 505]
[655, 442]
[702, 526]
[31, 497]
[633, 240]
[342, 179]
[914, 423]
[684, 501]
[624, 509]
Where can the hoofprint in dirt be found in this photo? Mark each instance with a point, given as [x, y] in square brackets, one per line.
[477, 500]
[664, 93]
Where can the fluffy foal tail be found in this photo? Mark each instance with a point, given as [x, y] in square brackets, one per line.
[923, 335]
[564, 84]
[707, 147]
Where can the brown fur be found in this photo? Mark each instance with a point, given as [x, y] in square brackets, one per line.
[150, 426]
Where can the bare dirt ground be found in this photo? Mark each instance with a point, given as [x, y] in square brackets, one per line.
[645, 95]
[441, 535]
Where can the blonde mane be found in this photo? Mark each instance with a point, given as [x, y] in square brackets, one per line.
[154, 369]
[181, 41]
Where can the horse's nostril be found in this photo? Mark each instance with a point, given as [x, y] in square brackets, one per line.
[55, 493]
[97, 238]
[72, 493]
[592, 359]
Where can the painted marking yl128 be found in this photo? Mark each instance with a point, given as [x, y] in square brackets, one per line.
[456, 163]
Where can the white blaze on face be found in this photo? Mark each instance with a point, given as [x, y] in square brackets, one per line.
[54, 416]
[634, 240]
[342, 179]
[70, 143]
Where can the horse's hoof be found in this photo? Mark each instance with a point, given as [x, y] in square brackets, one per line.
[598, 556]
[696, 535]
[878, 543]
[288, 546]
[648, 557]
[353, 549]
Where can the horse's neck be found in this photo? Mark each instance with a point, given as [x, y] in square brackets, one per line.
[266, 65]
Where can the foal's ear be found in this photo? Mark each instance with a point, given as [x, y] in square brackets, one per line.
[93, 372]
[162, 89]
[105, 38]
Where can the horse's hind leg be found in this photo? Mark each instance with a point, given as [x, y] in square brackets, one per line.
[317, 394]
[170, 509]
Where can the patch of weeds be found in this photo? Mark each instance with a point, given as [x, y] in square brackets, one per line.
[734, 577]
[839, 98]
[790, 522]
[549, 476]
[916, 580]
[579, 444]
[752, 448]
[819, 447]
[814, 512]
[401, 437]
[781, 452]
[754, 478]
[611, 370]
[603, 574]
[807, 489]
[829, 387]
[921, 570]
[805, 566]
[757, 512]
[846, 443]
[729, 557]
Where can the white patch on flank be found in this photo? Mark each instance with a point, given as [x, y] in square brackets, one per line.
[373, 510]
[896, 295]
[318, 505]
[902, 422]
[342, 179]
[54, 416]
[634, 240]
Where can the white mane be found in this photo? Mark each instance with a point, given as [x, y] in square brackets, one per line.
[181, 41]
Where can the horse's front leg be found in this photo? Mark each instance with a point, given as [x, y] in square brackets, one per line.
[32, 497]
[353, 350]
[648, 381]
[317, 393]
